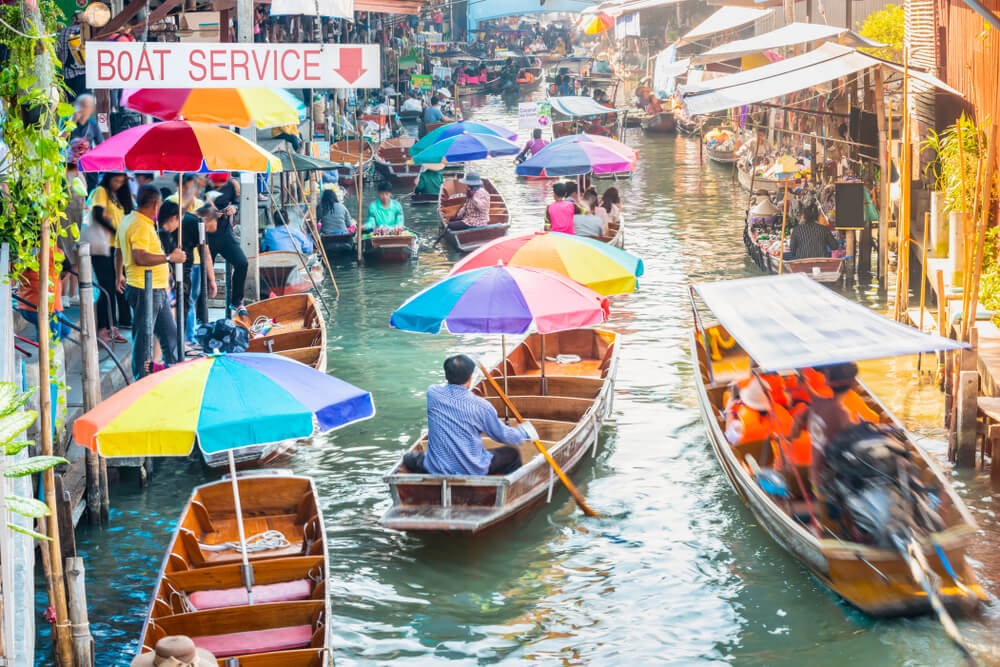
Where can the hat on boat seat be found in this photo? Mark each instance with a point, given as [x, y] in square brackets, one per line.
[176, 651]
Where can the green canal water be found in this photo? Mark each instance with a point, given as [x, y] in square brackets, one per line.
[676, 572]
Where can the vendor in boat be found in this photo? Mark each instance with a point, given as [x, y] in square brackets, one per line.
[430, 181]
[334, 218]
[457, 419]
[532, 147]
[811, 239]
[385, 213]
[475, 212]
[653, 106]
[283, 237]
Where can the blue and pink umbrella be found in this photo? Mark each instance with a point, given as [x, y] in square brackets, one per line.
[579, 154]
[502, 300]
[465, 147]
[458, 127]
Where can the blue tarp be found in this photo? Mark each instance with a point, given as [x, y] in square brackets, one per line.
[480, 10]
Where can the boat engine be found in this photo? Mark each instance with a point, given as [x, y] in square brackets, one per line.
[871, 478]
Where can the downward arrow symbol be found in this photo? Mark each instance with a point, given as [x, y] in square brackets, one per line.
[351, 65]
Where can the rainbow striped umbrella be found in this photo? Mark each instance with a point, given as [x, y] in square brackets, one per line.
[263, 107]
[222, 402]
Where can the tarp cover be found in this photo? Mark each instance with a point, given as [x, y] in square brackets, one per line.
[667, 69]
[617, 7]
[726, 18]
[789, 35]
[791, 321]
[830, 61]
[579, 106]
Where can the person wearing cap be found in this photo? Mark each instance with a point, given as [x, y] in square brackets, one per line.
[284, 237]
[457, 419]
[475, 212]
[385, 213]
[175, 651]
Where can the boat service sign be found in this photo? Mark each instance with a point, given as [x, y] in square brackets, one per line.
[208, 65]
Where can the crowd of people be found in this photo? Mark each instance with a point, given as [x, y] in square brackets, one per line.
[585, 214]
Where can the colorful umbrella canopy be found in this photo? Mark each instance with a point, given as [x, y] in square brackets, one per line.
[224, 402]
[599, 24]
[451, 129]
[599, 266]
[465, 147]
[178, 145]
[579, 156]
[264, 107]
[504, 300]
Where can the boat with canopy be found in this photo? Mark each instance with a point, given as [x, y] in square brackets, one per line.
[575, 114]
[896, 543]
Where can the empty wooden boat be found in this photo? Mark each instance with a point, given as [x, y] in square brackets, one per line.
[290, 326]
[876, 580]
[352, 154]
[288, 272]
[389, 248]
[200, 591]
[452, 198]
[392, 158]
[567, 408]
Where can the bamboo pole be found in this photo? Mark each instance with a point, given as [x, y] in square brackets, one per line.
[991, 149]
[314, 232]
[784, 222]
[903, 244]
[91, 376]
[60, 629]
[83, 642]
[964, 194]
[883, 159]
[923, 285]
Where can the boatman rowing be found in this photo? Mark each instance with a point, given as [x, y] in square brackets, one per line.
[456, 422]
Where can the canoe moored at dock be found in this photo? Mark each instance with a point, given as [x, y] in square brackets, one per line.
[453, 196]
[392, 158]
[856, 565]
[659, 123]
[290, 326]
[567, 408]
[200, 589]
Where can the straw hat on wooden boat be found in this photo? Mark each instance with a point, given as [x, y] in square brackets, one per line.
[764, 208]
[176, 651]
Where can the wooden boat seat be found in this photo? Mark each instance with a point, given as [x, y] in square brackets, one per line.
[256, 641]
[559, 385]
[557, 408]
[288, 591]
[582, 368]
[225, 530]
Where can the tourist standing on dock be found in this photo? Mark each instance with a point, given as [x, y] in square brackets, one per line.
[223, 240]
[109, 203]
[140, 250]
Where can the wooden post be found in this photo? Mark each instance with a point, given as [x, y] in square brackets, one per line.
[987, 205]
[942, 319]
[83, 642]
[97, 503]
[60, 629]
[248, 182]
[883, 162]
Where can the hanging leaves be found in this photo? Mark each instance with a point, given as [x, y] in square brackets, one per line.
[35, 464]
[29, 507]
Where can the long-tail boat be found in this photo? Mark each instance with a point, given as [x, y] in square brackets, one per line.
[200, 591]
[802, 325]
[763, 248]
[288, 272]
[452, 198]
[567, 405]
[392, 158]
[290, 326]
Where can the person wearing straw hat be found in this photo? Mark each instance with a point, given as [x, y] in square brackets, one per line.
[475, 212]
[175, 651]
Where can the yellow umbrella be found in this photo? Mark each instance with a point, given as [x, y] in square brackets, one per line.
[599, 24]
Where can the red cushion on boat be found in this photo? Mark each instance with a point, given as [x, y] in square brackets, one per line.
[258, 641]
[285, 591]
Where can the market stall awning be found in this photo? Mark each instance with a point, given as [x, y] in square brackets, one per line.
[828, 62]
[789, 35]
[620, 7]
[484, 11]
[579, 106]
[727, 18]
[791, 321]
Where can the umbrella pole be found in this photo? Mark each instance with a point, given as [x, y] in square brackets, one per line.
[544, 389]
[246, 570]
[784, 221]
[503, 363]
[179, 274]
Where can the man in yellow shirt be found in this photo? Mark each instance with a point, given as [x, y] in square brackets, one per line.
[140, 250]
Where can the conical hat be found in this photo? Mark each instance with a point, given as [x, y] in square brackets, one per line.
[764, 208]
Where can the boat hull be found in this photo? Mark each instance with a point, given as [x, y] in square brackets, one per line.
[338, 245]
[771, 185]
[660, 123]
[389, 249]
[848, 568]
[452, 198]
[826, 270]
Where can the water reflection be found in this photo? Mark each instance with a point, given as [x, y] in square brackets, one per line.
[677, 571]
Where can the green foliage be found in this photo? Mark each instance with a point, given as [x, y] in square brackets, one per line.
[885, 26]
[14, 422]
[946, 170]
[34, 168]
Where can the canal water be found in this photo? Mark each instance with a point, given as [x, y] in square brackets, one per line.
[676, 572]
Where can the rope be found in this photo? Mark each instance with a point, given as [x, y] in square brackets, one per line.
[266, 541]
[565, 358]
[264, 323]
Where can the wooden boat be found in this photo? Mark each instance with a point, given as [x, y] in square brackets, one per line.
[686, 126]
[722, 157]
[771, 185]
[875, 580]
[386, 249]
[616, 236]
[295, 330]
[200, 591]
[452, 198]
[821, 269]
[287, 272]
[430, 127]
[661, 122]
[392, 157]
[349, 153]
[337, 245]
[568, 415]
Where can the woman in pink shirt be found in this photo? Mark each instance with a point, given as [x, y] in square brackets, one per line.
[559, 214]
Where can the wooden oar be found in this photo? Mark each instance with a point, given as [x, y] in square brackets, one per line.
[538, 443]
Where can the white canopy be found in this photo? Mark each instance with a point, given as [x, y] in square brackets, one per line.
[789, 35]
[579, 105]
[619, 7]
[791, 321]
[667, 69]
[725, 19]
[828, 62]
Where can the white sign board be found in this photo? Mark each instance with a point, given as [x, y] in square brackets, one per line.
[534, 114]
[216, 65]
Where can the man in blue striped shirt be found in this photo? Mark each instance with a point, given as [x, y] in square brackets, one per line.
[456, 422]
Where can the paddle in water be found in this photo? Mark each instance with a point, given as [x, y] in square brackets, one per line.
[538, 443]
